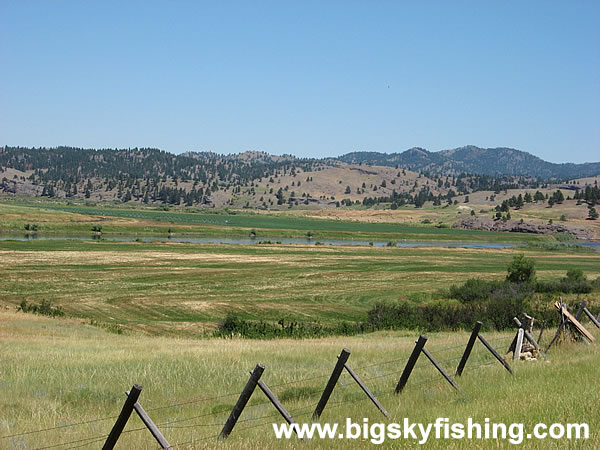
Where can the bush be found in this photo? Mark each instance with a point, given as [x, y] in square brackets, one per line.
[233, 325]
[521, 270]
[575, 275]
[493, 302]
[564, 286]
[45, 308]
[506, 302]
[574, 283]
[426, 317]
[474, 290]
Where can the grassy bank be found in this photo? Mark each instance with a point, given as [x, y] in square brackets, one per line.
[55, 372]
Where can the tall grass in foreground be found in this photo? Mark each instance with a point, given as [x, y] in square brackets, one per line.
[57, 371]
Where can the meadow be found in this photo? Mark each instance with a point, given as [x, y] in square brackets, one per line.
[56, 372]
[166, 288]
[62, 218]
[144, 312]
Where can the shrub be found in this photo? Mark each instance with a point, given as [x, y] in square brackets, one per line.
[521, 270]
[233, 325]
[575, 275]
[564, 286]
[427, 317]
[474, 290]
[506, 302]
[45, 308]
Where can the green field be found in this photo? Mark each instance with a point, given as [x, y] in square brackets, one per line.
[55, 217]
[56, 372]
[175, 288]
[164, 296]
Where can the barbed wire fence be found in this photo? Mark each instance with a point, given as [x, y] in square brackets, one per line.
[352, 383]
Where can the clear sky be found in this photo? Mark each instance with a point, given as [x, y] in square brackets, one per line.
[311, 78]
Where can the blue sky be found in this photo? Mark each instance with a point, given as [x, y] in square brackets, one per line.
[311, 78]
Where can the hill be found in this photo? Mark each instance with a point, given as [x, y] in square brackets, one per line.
[475, 160]
[258, 180]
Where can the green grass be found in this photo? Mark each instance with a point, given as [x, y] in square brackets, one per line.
[56, 372]
[186, 289]
[145, 220]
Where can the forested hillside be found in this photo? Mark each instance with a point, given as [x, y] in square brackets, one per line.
[481, 161]
[251, 179]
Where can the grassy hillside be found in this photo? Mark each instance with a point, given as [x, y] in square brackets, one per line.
[56, 372]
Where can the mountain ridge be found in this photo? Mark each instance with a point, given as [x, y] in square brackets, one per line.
[475, 160]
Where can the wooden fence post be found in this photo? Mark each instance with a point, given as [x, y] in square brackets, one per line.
[495, 353]
[286, 415]
[367, 391]
[530, 338]
[117, 428]
[278, 406]
[440, 369]
[539, 339]
[143, 415]
[410, 364]
[518, 346]
[591, 317]
[468, 348]
[582, 306]
[333, 379]
[242, 401]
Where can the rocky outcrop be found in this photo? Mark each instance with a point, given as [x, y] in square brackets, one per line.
[514, 226]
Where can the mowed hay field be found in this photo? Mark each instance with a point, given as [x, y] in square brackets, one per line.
[57, 372]
[183, 289]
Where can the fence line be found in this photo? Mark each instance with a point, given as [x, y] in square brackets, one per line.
[476, 362]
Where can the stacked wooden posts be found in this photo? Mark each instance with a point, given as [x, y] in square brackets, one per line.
[571, 323]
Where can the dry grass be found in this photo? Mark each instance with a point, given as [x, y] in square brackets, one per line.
[56, 372]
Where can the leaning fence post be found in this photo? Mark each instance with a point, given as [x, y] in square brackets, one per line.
[333, 379]
[495, 353]
[143, 415]
[278, 406]
[117, 428]
[410, 364]
[519, 345]
[591, 317]
[242, 401]
[468, 348]
[582, 306]
[539, 339]
[367, 391]
[440, 369]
